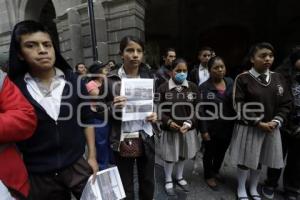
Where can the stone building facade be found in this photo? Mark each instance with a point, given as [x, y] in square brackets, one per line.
[230, 27]
[68, 20]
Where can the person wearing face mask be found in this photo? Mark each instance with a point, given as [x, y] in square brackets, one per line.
[290, 134]
[177, 103]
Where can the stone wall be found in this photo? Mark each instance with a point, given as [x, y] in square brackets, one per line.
[123, 17]
[7, 18]
[114, 19]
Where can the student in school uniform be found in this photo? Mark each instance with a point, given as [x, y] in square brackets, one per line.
[262, 101]
[179, 142]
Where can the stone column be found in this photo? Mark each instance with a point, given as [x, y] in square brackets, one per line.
[7, 15]
[75, 36]
[123, 17]
[101, 31]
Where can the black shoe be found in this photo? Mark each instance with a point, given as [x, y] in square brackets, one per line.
[290, 196]
[242, 198]
[170, 191]
[256, 197]
[184, 187]
[267, 192]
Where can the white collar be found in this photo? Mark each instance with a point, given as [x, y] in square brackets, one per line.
[172, 84]
[122, 73]
[256, 74]
[201, 67]
[58, 74]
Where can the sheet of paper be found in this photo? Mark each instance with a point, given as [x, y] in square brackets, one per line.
[4, 193]
[107, 186]
[139, 93]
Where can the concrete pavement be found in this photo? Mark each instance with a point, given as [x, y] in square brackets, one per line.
[199, 190]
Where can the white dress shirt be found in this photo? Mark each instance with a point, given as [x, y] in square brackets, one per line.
[49, 99]
[135, 125]
[203, 74]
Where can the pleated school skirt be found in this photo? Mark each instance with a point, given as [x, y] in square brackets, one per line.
[250, 146]
[176, 146]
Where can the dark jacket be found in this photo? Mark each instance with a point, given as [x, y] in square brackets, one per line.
[162, 75]
[56, 145]
[111, 88]
[178, 106]
[219, 128]
[292, 126]
[194, 75]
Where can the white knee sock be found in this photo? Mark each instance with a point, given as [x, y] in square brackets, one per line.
[168, 168]
[179, 172]
[242, 177]
[254, 179]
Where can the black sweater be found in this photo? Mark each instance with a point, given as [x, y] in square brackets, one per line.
[183, 104]
[274, 97]
[56, 145]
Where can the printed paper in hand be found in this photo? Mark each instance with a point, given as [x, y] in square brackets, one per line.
[4, 193]
[107, 186]
[139, 93]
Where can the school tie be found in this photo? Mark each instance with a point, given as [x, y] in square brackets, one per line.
[263, 78]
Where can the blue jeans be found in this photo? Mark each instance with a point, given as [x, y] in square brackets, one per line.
[104, 152]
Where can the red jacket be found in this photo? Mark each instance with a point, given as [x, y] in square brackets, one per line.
[17, 122]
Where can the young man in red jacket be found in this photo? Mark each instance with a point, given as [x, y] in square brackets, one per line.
[17, 123]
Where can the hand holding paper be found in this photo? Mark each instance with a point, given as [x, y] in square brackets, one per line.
[108, 186]
[120, 102]
[152, 118]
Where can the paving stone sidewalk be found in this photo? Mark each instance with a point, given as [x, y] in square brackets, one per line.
[199, 190]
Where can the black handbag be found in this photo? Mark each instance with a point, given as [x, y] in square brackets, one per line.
[131, 147]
